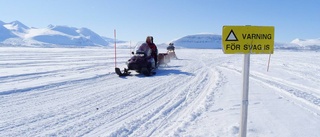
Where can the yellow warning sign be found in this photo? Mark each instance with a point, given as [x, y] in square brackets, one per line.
[248, 39]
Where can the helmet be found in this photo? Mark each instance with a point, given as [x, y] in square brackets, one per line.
[171, 44]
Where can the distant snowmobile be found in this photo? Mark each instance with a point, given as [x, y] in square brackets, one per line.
[171, 53]
[141, 62]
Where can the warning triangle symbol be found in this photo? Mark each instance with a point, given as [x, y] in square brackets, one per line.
[232, 36]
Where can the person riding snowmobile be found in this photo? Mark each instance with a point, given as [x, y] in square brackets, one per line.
[154, 49]
[171, 47]
[171, 51]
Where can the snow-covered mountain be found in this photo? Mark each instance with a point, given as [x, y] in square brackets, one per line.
[16, 27]
[64, 35]
[312, 44]
[203, 41]
[5, 33]
[17, 34]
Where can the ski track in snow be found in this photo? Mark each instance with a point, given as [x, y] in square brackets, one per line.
[309, 96]
[75, 92]
[81, 95]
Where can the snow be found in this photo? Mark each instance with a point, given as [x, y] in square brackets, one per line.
[75, 92]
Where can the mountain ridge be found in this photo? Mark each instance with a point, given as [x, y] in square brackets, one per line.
[16, 33]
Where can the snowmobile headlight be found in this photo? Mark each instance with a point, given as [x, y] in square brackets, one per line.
[140, 55]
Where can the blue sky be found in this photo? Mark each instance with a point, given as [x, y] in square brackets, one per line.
[168, 19]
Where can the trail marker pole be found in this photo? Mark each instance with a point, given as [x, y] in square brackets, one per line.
[269, 62]
[115, 48]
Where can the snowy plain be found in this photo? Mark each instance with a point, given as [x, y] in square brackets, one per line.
[75, 92]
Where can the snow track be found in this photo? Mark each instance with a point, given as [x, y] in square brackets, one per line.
[75, 92]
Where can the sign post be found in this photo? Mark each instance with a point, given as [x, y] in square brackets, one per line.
[247, 40]
[245, 95]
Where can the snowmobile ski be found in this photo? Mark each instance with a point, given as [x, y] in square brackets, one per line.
[125, 72]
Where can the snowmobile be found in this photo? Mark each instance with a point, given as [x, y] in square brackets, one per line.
[171, 53]
[141, 62]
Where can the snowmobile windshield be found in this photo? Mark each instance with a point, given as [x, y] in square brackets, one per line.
[143, 50]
